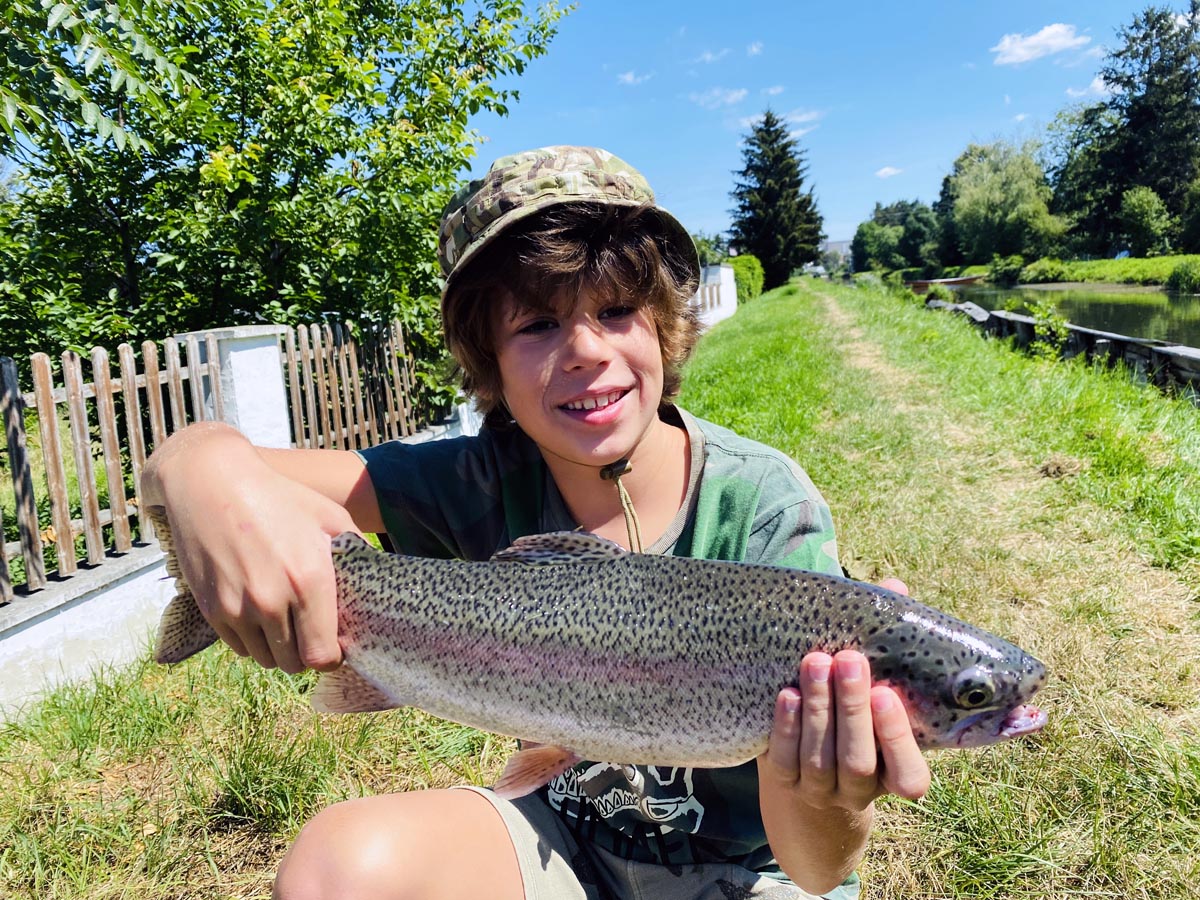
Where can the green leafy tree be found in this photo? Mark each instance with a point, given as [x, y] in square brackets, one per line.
[775, 220]
[82, 61]
[1084, 192]
[1146, 222]
[1189, 226]
[1001, 201]
[1154, 73]
[301, 176]
[713, 249]
[949, 244]
[875, 247]
[1147, 133]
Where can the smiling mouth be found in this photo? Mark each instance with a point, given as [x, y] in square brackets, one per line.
[599, 402]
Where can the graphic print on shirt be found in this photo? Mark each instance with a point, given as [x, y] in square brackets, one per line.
[660, 795]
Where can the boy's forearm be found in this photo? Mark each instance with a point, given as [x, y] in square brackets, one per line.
[220, 453]
[186, 448]
[819, 848]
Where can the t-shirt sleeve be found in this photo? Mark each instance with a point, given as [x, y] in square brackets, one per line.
[757, 505]
[440, 498]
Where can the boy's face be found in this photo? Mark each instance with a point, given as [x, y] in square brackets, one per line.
[584, 380]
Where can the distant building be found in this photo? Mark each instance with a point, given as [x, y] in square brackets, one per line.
[842, 249]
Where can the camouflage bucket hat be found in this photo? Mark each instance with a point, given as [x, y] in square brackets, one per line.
[522, 184]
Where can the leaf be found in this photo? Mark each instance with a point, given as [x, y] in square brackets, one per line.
[60, 12]
[91, 113]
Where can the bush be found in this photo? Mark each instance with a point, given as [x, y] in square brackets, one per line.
[1044, 271]
[1006, 271]
[747, 276]
[1185, 277]
[940, 292]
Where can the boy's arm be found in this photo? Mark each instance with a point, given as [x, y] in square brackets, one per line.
[251, 530]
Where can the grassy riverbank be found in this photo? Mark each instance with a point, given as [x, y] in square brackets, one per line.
[1045, 501]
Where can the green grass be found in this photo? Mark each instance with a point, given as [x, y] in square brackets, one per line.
[1052, 503]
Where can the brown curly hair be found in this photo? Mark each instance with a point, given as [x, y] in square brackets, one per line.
[621, 251]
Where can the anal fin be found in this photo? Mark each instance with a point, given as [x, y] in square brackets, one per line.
[528, 769]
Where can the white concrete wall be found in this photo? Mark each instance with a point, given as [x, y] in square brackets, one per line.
[718, 281]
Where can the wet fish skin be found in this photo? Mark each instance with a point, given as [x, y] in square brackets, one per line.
[568, 641]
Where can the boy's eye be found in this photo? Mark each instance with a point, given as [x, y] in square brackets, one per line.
[536, 326]
[617, 312]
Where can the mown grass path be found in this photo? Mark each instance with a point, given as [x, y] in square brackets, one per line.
[1053, 504]
[1050, 503]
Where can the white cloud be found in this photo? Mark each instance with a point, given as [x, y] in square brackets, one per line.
[797, 133]
[1007, 100]
[1098, 88]
[631, 77]
[754, 49]
[714, 98]
[1020, 117]
[800, 116]
[1020, 48]
[888, 172]
[709, 57]
[773, 91]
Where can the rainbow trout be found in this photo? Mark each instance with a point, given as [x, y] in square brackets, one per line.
[592, 652]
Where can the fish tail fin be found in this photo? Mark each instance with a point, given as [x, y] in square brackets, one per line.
[182, 631]
[529, 769]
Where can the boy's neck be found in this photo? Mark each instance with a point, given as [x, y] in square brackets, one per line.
[656, 482]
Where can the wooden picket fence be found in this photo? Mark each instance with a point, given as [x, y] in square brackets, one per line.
[342, 393]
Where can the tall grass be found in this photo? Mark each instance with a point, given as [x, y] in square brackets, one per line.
[1053, 503]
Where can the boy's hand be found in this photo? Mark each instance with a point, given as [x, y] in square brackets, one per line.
[252, 544]
[838, 742]
[261, 571]
[836, 745]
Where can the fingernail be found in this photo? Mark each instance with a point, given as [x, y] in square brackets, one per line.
[881, 702]
[848, 670]
[818, 670]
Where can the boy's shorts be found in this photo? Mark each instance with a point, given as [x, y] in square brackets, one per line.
[555, 866]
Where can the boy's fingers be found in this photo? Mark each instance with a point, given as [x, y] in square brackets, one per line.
[856, 750]
[783, 744]
[818, 765]
[906, 773]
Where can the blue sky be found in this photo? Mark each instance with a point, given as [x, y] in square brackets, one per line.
[882, 97]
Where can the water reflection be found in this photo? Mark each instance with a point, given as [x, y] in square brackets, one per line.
[1144, 313]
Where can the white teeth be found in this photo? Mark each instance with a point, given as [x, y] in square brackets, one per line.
[594, 402]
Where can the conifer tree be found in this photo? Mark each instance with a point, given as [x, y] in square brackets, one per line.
[776, 220]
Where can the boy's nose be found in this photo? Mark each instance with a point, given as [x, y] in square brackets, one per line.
[586, 345]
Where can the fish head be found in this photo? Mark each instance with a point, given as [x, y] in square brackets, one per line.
[962, 686]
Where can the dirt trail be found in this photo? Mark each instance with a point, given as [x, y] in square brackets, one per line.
[1084, 593]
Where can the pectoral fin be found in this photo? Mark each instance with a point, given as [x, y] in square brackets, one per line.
[529, 769]
[345, 691]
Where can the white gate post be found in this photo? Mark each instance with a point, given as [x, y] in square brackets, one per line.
[253, 394]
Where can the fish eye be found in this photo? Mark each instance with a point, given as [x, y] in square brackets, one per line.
[973, 688]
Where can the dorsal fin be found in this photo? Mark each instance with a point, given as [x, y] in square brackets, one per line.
[560, 547]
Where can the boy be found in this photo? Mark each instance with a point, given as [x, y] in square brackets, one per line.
[566, 307]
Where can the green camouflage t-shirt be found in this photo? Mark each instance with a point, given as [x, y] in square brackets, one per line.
[468, 497]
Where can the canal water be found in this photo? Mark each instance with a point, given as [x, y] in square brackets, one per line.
[1136, 312]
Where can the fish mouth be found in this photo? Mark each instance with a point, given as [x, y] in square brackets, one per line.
[1023, 719]
[1020, 720]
